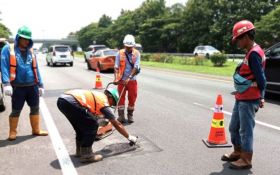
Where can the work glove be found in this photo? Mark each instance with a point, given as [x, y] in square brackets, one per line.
[132, 140]
[8, 90]
[116, 82]
[41, 92]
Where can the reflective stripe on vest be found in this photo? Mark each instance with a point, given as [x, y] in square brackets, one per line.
[135, 54]
[92, 100]
[13, 64]
[253, 92]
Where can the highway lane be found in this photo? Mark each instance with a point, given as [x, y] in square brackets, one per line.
[169, 122]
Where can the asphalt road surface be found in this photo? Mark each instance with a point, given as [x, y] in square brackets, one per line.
[173, 114]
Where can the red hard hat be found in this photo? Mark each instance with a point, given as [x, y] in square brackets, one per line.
[240, 28]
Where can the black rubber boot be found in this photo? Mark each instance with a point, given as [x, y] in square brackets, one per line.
[130, 116]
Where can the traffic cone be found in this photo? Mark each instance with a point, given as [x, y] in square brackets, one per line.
[217, 135]
[98, 81]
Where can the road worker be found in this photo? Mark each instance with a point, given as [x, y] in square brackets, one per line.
[250, 83]
[127, 66]
[83, 108]
[22, 80]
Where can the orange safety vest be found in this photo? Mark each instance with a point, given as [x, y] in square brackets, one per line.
[94, 101]
[13, 64]
[135, 55]
[252, 92]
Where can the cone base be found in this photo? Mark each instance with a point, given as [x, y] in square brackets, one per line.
[210, 145]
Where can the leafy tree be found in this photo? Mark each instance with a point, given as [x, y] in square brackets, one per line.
[86, 35]
[180, 28]
[105, 21]
[210, 22]
[267, 28]
[4, 31]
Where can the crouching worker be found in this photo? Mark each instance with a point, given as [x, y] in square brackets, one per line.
[83, 108]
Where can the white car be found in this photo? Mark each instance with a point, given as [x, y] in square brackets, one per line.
[3, 42]
[92, 49]
[59, 55]
[138, 47]
[205, 51]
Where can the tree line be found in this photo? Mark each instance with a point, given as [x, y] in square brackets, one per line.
[181, 27]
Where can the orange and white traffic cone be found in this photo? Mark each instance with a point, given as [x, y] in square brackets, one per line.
[217, 135]
[98, 81]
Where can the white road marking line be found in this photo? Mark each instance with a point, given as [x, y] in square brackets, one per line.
[111, 77]
[229, 113]
[65, 162]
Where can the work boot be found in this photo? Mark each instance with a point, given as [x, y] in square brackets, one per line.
[13, 121]
[78, 149]
[121, 116]
[245, 161]
[35, 124]
[87, 156]
[234, 156]
[130, 116]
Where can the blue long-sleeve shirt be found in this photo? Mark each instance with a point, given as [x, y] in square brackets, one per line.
[255, 64]
[24, 71]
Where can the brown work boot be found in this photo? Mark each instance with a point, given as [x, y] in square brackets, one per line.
[13, 121]
[130, 116]
[121, 118]
[87, 156]
[245, 161]
[35, 124]
[234, 156]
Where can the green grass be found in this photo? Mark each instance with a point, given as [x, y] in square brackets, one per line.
[206, 68]
[79, 54]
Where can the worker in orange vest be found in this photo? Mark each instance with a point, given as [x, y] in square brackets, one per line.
[127, 66]
[22, 80]
[250, 83]
[83, 108]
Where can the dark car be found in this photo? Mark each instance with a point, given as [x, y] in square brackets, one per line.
[272, 69]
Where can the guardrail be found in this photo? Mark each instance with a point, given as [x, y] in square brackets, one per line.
[231, 56]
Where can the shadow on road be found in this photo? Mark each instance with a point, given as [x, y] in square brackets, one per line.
[4, 143]
[227, 171]
[108, 151]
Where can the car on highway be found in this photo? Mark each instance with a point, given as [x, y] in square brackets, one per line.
[92, 49]
[103, 60]
[205, 51]
[272, 69]
[3, 42]
[45, 50]
[138, 47]
[59, 55]
[36, 51]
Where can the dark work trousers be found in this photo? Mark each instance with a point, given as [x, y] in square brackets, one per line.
[30, 94]
[85, 125]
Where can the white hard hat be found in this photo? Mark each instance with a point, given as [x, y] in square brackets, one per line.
[129, 41]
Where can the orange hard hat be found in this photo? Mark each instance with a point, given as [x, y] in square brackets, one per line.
[240, 28]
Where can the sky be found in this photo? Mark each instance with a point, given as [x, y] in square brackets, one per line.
[57, 18]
